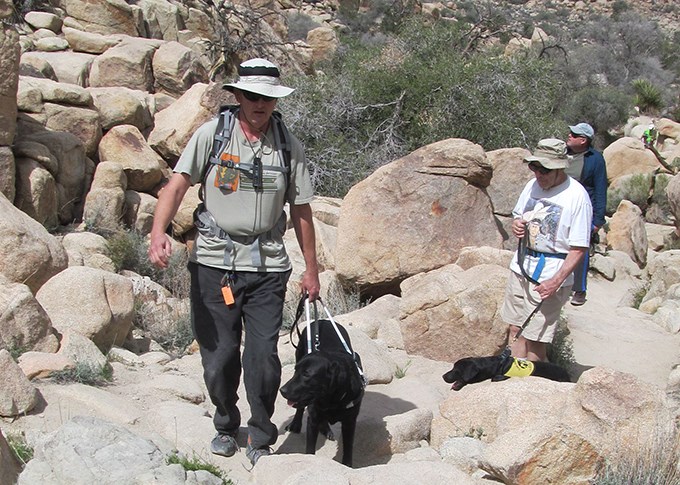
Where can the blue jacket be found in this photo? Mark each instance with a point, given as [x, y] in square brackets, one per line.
[594, 179]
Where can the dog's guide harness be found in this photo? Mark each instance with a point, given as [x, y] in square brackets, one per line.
[313, 343]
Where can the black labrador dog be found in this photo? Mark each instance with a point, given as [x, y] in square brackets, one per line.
[471, 370]
[328, 383]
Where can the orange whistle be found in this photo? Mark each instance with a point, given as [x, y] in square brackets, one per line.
[227, 295]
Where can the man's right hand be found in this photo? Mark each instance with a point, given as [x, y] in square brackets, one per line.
[518, 227]
[160, 250]
[169, 198]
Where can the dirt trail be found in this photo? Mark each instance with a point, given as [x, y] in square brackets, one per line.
[621, 338]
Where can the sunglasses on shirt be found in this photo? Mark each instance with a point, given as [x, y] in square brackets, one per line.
[254, 97]
[537, 167]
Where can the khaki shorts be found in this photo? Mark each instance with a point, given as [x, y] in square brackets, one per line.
[520, 300]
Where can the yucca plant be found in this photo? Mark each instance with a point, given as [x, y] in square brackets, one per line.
[647, 96]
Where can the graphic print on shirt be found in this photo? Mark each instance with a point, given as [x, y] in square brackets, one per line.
[543, 219]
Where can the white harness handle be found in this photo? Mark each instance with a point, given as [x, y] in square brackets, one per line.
[335, 327]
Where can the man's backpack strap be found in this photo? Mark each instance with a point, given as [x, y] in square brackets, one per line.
[225, 126]
[283, 144]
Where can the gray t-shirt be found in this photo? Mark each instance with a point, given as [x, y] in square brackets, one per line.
[237, 207]
[575, 166]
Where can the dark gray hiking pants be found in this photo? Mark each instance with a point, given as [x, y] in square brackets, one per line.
[258, 308]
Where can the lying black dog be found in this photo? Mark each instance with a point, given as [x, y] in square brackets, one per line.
[328, 383]
[477, 369]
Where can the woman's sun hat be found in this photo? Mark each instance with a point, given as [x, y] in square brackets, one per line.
[261, 77]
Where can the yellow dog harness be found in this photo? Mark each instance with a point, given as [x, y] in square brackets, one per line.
[520, 368]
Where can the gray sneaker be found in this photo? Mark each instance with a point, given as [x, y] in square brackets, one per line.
[224, 444]
[578, 298]
[254, 454]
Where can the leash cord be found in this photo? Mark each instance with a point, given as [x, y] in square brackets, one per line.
[521, 251]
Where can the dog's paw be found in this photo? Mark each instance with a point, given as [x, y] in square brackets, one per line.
[294, 427]
[328, 433]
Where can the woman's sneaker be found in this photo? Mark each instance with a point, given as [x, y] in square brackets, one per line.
[224, 444]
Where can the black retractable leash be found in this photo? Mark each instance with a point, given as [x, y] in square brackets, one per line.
[521, 251]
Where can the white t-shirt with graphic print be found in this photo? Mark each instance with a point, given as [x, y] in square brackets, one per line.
[558, 218]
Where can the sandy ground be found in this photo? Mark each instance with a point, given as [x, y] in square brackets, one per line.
[621, 338]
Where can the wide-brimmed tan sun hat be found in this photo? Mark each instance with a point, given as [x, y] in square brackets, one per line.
[551, 153]
[259, 76]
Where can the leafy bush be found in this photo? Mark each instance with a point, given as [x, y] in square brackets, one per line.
[561, 351]
[633, 187]
[400, 372]
[657, 463]
[647, 96]
[299, 24]
[22, 450]
[196, 463]
[129, 250]
[15, 349]
[83, 373]
[604, 107]
[170, 329]
[379, 102]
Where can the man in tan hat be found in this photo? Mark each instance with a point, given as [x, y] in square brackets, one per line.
[552, 220]
[248, 166]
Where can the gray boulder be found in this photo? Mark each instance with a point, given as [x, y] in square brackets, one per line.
[88, 450]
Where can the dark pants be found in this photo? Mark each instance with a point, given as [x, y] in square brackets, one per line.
[258, 307]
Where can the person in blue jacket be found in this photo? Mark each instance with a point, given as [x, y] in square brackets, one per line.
[589, 168]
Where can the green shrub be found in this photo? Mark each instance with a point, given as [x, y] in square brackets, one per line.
[619, 7]
[299, 25]
[659, 196]
[22, 450]
[196, 463]
[639, 295]
[604, 107]
[647, 96]
[15, 349]
[171, 330]
[338, 301]
[657, 463]
[475, 432]
[377, 103]
[561, 351]
[634, 187]
[129, 250]
[83, 373]
[400, 373]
